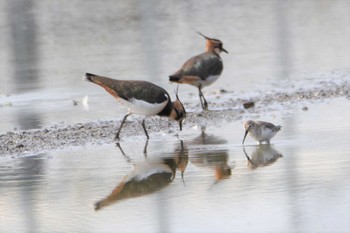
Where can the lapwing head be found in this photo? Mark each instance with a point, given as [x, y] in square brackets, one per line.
[213, 44]
[178, 112]
[247, 126]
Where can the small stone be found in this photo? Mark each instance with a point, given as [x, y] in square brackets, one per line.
[249, 104]
[305, 108]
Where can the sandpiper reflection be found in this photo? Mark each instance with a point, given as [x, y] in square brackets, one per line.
[212, 157]
[263, 155]
[147, 177]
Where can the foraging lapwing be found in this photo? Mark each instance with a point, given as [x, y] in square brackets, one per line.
[203, 69]
[261, 131]
[141, 97]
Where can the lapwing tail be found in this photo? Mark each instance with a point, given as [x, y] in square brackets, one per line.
[174, 78]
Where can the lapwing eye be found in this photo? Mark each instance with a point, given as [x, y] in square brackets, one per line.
[219, 46]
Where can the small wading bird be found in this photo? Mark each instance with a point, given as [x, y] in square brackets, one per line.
[142, 98]
[203, 69]
[261, 131]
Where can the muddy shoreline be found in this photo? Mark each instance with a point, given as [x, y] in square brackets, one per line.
[231, 108]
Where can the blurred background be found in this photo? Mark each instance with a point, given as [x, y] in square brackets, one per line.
[47, 46]
[299, 184]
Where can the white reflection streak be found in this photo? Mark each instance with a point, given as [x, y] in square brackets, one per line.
[149, 34]
[286, 66]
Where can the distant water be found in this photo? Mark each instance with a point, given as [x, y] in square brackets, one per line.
[47, 46]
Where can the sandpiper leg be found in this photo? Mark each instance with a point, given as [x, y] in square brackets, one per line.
[121, 125]
[144, 128]
[202, 99]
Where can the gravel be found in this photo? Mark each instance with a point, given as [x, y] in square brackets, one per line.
[228, 108]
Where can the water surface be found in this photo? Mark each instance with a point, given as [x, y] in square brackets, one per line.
[208, 182]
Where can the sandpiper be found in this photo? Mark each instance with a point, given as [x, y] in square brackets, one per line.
[142, 98]
[203, 69]
[261, 131]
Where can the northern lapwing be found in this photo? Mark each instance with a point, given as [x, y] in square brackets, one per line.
[261, 131]
[203, 69]
[141, 97]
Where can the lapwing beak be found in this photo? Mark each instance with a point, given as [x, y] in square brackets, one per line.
[224, 50]
[245, 135]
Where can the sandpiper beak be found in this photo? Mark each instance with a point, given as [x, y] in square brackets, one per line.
[224, 50]
[245, 135]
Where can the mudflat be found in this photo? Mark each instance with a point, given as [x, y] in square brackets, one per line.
[229, 108]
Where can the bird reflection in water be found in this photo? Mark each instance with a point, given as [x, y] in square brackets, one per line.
[181, 158]
[147, 177]
[214, 158]
[263, 155]
[123, 153]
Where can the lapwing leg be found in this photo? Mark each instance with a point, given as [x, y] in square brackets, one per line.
[202, 99]
[121, 126]
[200, 96]
[144, 128]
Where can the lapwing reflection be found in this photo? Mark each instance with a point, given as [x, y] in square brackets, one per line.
[263, 155]
[181, 158]
[148, 176]
[213, 157]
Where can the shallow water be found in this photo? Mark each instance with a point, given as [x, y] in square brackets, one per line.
[297, 184]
